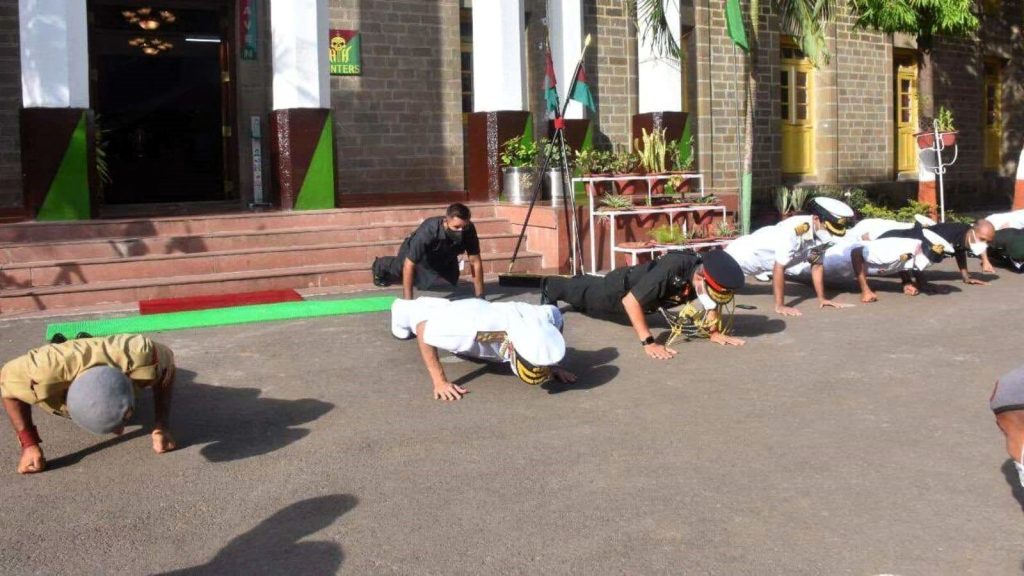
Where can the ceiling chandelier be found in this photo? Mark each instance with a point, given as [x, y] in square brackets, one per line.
[150, 46]
[148, 18]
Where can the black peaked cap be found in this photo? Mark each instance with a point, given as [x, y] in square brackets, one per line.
[723, 269]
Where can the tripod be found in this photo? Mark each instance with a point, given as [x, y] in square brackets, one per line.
[567, 192]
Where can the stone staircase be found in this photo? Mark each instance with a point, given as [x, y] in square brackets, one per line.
[51, 265]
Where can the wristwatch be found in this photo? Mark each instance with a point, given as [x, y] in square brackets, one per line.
[647, 341]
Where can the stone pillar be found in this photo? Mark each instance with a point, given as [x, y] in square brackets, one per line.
[927, 189]
[498, 56]
[301, 128]
[565, 22]
[487, 131]
[499, 98]
[1018, 186]
[58, 148]
[659, 78]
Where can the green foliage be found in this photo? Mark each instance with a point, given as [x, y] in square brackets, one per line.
[952, 216]
[709, 199]
[616, 202]
[102, 143]
[669, 234]
[923, 19]
[652, 151]
[681, 154]
[622, 162]
[652, 26]
[851, 195]
[724, 229]
[593, 161]
[553, 153]
[945, 120]
[904, 214]
[789, 200]
[519, 152]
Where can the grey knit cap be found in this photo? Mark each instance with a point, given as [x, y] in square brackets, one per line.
[99, 398]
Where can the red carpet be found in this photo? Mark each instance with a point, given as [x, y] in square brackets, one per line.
[164, 305]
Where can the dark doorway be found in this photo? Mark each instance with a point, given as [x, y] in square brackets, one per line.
[160, 78]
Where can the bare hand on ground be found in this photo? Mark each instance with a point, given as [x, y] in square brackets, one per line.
[32, 461]
[975, 282]
[448, 391]
[910, 290]
[869, 297]
[659, 352]
[788, 311]
[719, 338]
[563, 375]
[162, 441]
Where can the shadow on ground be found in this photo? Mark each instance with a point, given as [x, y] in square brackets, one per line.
[592, 369]
[273, 547]
[1013, 479]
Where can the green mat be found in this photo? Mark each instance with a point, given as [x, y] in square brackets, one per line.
[222, 316]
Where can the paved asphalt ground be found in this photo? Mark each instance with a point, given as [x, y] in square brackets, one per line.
[842, 442]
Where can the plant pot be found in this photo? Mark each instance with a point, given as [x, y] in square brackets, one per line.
[553, 190]
[626, 187]
[518, 184]
[926, 140]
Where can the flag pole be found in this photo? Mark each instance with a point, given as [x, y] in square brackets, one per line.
[559, 133]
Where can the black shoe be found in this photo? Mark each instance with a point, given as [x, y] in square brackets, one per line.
[546, 300]
[58, 338]
[83, 335]
[379, 280]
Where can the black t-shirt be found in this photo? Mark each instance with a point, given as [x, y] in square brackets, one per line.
[430, 242]
[657, 283]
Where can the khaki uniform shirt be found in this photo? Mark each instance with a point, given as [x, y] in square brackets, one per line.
[43, 375]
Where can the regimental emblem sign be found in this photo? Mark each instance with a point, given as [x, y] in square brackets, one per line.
[249, 29]
[344, 53]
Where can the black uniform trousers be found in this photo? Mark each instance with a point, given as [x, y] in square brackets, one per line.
[586, 294]
[444, 265]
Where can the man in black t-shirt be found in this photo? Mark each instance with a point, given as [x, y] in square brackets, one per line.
[673, 279]
[432, 251]
[963, 237]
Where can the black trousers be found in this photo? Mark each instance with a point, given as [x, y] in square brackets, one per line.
[586, 294]
[445, 266]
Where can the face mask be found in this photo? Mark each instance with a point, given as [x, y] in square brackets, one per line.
[453, 235]
[978, 248]
[702, 296]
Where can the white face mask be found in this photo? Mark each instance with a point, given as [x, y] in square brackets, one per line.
[702, 296]
[977, 247]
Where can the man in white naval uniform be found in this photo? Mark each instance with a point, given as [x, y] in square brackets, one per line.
[797, 239]
[872, 228]
[526, 336]
[884, 257]
[1005, 220]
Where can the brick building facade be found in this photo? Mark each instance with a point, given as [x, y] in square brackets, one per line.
[400, 125]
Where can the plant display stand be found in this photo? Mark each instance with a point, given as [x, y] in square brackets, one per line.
[940, 141]
[671, 211]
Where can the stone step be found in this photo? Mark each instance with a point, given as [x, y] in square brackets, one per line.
[56, 273]
[249, 221]
[129, 247]
[14, 301]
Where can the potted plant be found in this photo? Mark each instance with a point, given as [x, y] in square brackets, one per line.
[668, 235]
[790, 201]
[518, 158]
[651, 151]
[680, 159]
[610, 202]
[947, 131]
[725, 229]
[553, 183]
[623, 163]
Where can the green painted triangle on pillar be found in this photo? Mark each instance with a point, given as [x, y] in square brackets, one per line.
[68, 196]
[685, 144]
[588, 144]
[528, 129]
[317, 192]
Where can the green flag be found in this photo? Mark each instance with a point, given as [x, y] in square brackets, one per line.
[734, 23]
[581, 93]
[550, 90]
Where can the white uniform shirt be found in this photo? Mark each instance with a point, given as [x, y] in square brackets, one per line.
[882, 257]
[872, 228]
[1002, 220]
[758, 252]
[471, 327]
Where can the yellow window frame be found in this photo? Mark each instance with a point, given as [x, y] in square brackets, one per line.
[798, 133]
[906, 116]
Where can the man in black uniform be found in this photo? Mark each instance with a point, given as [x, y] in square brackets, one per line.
[432, 251]
[1007, 248]
[675, 278]
[962, 236]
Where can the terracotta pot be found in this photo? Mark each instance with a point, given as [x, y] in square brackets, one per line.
[926, 140]
[627, 186]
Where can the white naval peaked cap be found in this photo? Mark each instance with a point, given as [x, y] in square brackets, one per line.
[838, 208]
[924, 220]
[536, 337]
[938, 240]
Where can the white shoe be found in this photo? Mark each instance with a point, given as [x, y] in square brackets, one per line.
[763, 277]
